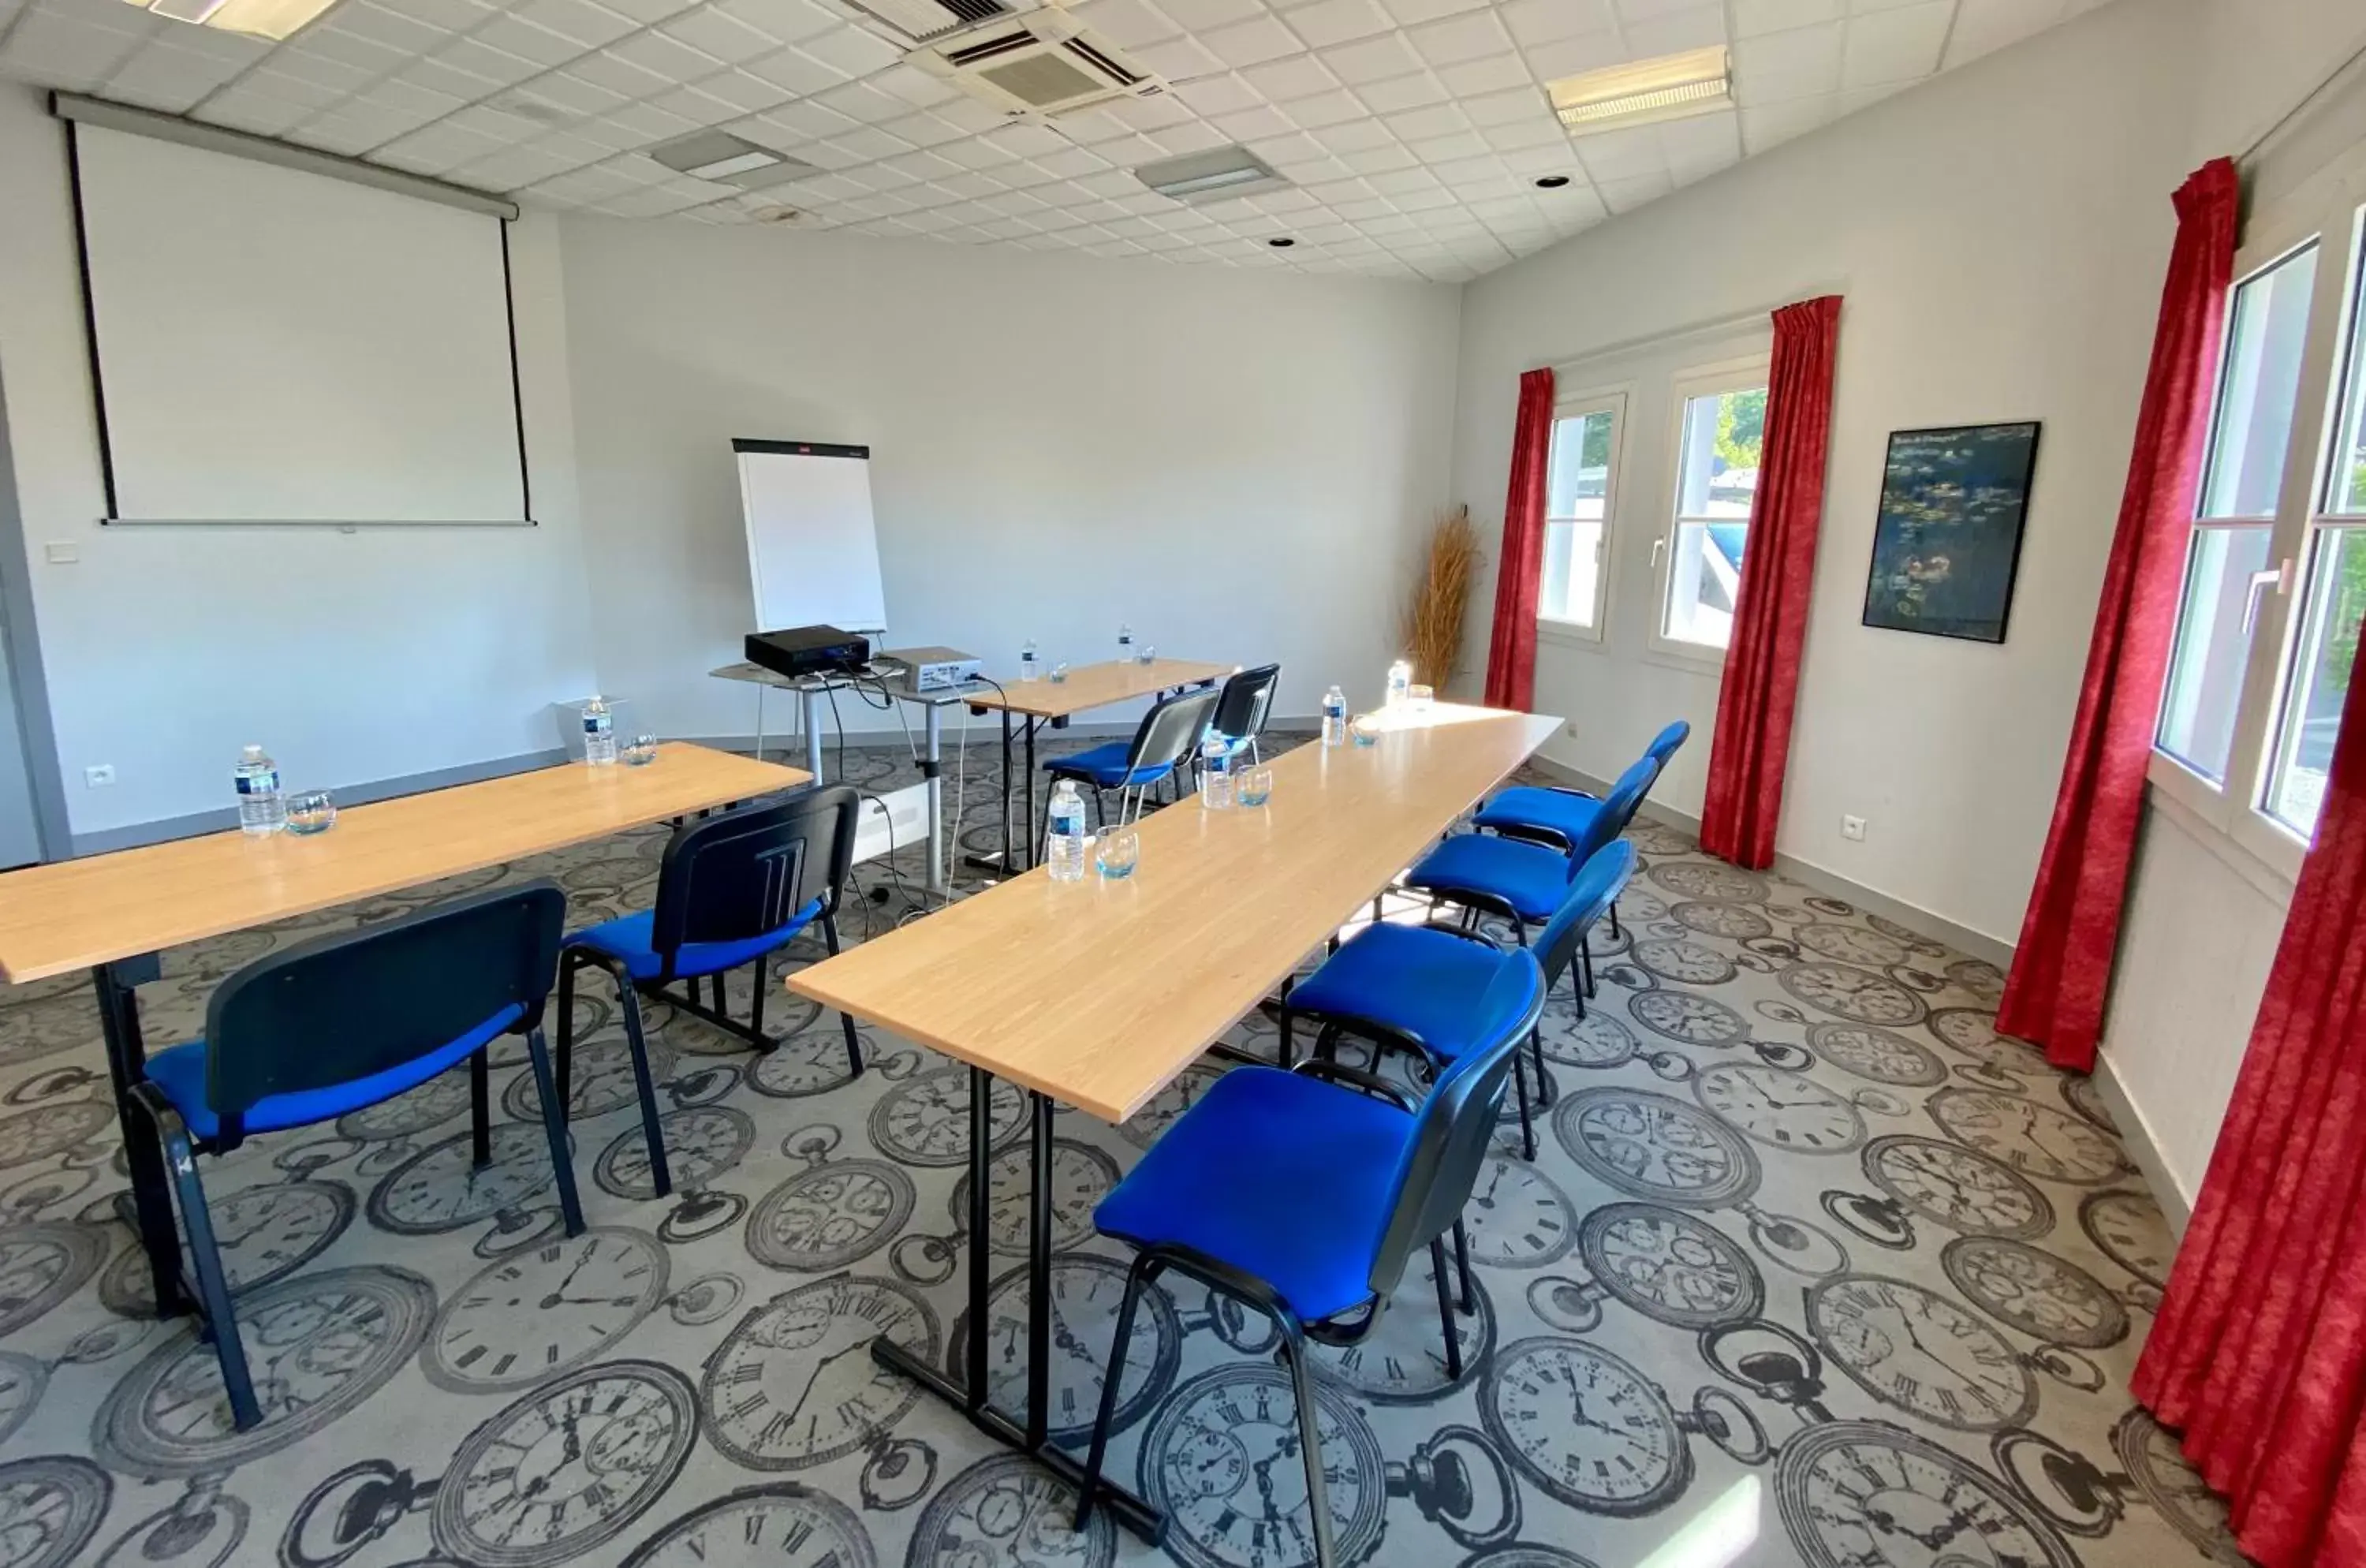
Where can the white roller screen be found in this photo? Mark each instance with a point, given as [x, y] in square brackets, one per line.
[274, 345]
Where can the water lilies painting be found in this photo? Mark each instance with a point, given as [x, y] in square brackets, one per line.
[1948, 539]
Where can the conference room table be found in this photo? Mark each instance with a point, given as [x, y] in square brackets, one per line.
[1038, 703]
[1098, 994]
[114, 913]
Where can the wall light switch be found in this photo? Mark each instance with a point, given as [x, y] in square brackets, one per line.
[99, 776]
[1853, 828]
[63, 552]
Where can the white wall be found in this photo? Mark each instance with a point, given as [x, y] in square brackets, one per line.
[354, 657]
[1235, 462]
[1998, 235]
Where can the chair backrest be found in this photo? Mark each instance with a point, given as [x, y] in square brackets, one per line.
[1591, 891]
[743, 873]
[1171, 729]
[1247, 702]
[1618, 809]
[1458, 1121]
[352, 1004]
[1668, 742]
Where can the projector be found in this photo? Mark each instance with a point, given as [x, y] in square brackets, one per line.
[935, 668]
[808, 650]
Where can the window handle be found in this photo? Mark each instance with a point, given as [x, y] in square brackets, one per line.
[1658, 546]
[2278, 577]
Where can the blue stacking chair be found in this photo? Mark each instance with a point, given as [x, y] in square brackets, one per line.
[1552, 814]
[1522, 881]
[733, 889]
[347, 1021]
[1303, 1195]
[1419, 987]
[1243, 706]
[1165, 740]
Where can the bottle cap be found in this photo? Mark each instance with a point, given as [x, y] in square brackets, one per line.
[254, 754]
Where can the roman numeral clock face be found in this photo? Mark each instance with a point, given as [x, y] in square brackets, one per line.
[782, 1526]
[538, 1312]
[794, 1384]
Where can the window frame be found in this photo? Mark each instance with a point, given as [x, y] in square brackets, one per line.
[2330, 211]
[1749, 373]
[1614, 401]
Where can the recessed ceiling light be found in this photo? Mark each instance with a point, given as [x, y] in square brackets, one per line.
[262, 19]
[1670, 87]
[725, 159]
[1553, 182]
[1213, 175]
[1283, 244]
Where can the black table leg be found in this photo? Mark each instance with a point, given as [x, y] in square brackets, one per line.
[969, 1396]
[1002, 862]
[1034, 843]
[127, 1064]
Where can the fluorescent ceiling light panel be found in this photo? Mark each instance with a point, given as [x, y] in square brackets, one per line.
[272, 19]
[1214, 175]
[725, 159]
[1671, 87]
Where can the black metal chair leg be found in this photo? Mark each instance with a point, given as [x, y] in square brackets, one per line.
[213, 1285]
[1284, 1051]
[1462, 1267]
[1146, 1268]
[761, 974]
[480, 1109]
[1613, 920]
[660, 1178]
[1309, 1439]
[554, 1126]
[1585, 951]
[1544, 1084]
[1445, 1310]
[1528, 1131]
[568, 963]
[845, 1020]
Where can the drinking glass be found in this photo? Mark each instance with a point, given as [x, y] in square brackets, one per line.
[1116, 852]
[1148, 655]
[311, 812]
[641, 750]
[1366, 729]
[1418, 698]
[1256, 786]
[1059, 674]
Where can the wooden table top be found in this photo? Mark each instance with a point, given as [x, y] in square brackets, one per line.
[1098, 685]
[79, 913]
[1099, 993]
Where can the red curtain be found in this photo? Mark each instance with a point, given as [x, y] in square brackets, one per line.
[1755, 703]
[1519, 566]
[2259, 1350]
[2062, 969]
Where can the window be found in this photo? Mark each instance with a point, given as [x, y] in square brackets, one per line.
[1581, 473]
[2232, 537]
[2333, 599]
[2275, 581]
[1721, 428]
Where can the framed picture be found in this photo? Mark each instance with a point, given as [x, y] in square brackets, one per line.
[1947, 542]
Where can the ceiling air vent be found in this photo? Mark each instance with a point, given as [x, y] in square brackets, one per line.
[925, 21]
[1043, 63]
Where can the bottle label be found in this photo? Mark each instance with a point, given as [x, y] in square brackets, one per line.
[597, 722]
[259, 784]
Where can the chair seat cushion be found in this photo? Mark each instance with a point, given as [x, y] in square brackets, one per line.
[626, 938]
[180, 1072]
[1104, 765]
[1530, 805]
[1281, 1175]
[1421, 982]
[1530, 879]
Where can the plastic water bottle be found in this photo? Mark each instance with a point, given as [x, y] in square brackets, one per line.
[1400, 682]
[599, 733]
[1216, 774]
[1334, 717]
[262, 807]
[1125, 645]
[1066, 856]
[1029, 669]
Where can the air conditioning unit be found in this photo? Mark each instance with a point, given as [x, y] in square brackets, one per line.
[1041, 62]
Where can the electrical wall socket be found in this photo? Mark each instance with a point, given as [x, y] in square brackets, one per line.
[1570, 728]
[99, 776]
[1853, 828]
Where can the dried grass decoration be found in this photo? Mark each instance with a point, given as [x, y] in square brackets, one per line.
[1432, 619]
